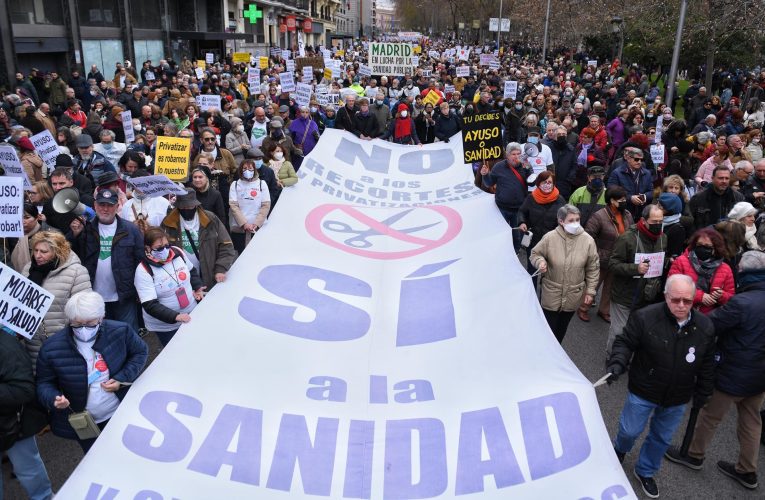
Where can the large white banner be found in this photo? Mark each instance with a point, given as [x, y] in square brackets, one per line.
[378, 339]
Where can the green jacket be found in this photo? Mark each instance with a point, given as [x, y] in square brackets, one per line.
[628, 289]
[57, 90]
[582, 199]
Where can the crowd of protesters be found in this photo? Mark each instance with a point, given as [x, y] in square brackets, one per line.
[622, 203]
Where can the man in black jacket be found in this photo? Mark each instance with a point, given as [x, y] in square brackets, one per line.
[20, 418]
[345, 115]
[739, 376]
[672, 349]
[711, 205]
[447, 122]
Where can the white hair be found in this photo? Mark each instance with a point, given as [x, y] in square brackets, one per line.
[682, 278]
[85, 306]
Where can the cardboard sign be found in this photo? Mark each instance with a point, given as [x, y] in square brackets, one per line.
[127, 126]
[287, 81]
[511, 89]
[10, 162]
[241, 57]
[655, 263]
[173, 157]
[46, 148]
[432, 98]
[328, 73]
[463, 71]
[303, 94]
[23, 304]
[387, 58]
[154, 186]
[11, 207]
[316, 62]
[481, 137]
[263, 62]
[208, 101]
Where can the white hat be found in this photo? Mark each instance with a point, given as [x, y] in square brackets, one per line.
[741, 210]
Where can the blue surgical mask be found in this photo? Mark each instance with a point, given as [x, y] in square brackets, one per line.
[313, 109]
[533, 140]
[248, 174]
[258, 163]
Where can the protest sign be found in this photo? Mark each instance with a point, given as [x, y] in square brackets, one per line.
[303, 94]
[359, 344]
[207, 101]
[173, 157]
[328, 73]
[657, 154]
[416, 60]
[200, 73]
[431, 98]
[253, 79]
[11, 207]
[448, 89]
[289, 65]
[322, 89]
[494, 65]
[486, 59]
[511, 89]
[463, 71]
[23, 303]
[655, 264]
[209, 58]
[434, 54]
[10, 162]
[127, 126]
[316, 62]
[287, 81]
[154, 186]
[201, 64]
[149, 76]
[46, 148]
[263, 62]
[365, 70]
[286, 54]
[481, 137]
[307, 74]
[275, 52]
[427, 72]
[241, 57]
[463, 54]
[417, 49]
[387, 58]
[592, 62]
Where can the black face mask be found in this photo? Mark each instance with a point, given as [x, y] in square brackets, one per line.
[187, 213]
[561, 142]
[655, 228]
[704, 253]
[622, 205]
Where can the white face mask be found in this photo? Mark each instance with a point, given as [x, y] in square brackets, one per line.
[161, 254]
[86, 333]
[248, 174]
[404, 114]
[278, 156]
[546, 188]
[572, 227]
[239, 128]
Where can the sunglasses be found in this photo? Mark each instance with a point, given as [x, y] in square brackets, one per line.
[680, 300]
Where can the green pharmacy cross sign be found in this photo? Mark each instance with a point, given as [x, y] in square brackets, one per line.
[253, 14]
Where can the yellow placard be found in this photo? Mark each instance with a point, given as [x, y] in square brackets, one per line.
[340, 53]
[201, 64]
[173, 157]
[432, 98]
[417, 49]
[241, 57]
[263, 62]
[328, 73]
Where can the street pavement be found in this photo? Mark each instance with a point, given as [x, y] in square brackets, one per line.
[585, 344]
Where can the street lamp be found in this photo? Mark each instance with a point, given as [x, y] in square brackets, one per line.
[617, 26]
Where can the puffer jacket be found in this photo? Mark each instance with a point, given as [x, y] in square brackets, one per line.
[67, 279]
[626, 289]
[127, 252]
[602, 227]
[668, 366]
[572, 268]
[741, 342]
[216, 251]
[540, 219]
[722, 279]
[61, 369]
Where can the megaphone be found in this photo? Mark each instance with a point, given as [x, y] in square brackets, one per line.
[68, 201]
[530, 150]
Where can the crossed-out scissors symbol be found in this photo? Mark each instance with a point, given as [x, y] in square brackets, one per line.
[360, 240]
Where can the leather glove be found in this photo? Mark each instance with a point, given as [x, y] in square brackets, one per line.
[699, 401]
[615, 369]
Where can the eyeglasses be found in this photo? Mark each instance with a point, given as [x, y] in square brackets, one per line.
[680, 300]
[80, 325]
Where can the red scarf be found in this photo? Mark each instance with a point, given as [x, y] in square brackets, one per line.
[403, 128]
[643, 228]
[545, 199]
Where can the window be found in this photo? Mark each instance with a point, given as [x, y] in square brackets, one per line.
[36, 12]
[152, 50]
[99, 13]
[104, 54]
[144, 14]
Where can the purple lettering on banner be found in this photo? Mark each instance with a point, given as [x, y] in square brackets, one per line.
[378, 389]
[358, 468]
[316, 460]
[413, 391]
[94, 493]
[422, 162]
[245, 461]
[148, 495]
[574, 441]
[334, 321]
[426, 309]
[614, 492]
[177, 438]
[398, 458]
[376, 161]
[331, 389]
[502, 464]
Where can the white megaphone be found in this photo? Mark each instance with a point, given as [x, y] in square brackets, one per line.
[68, 201]
[530, 150]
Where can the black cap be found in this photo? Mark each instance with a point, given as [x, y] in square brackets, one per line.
[109, 196]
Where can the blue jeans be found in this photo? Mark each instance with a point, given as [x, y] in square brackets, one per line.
[29, 469]
[125, 311]
[663, 426]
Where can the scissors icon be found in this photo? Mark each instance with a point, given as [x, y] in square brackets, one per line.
[360, 240]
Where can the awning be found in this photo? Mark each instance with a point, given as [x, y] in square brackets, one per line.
[212, 35]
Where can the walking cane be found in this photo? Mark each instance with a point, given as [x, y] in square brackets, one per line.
[689, 431]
